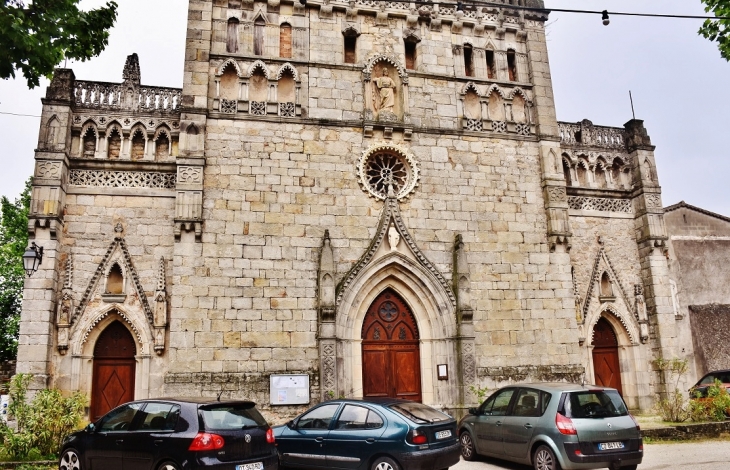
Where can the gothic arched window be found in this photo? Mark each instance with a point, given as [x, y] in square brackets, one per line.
[258, 36]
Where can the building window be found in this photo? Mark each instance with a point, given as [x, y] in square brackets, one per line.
[89, 142]
[468, 67]
[350, 49]
[258, 37]
[285, 41]
[410, 54]
[490, 64]
[232, 36]
[512, 66]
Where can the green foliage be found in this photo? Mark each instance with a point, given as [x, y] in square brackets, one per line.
[479, 392]
[13, 242]
[718, 30]
[42, 423]
[37, 35]
[715, 407]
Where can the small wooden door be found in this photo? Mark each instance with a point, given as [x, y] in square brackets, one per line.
[113, 371]
[605, 356]
[390, 351]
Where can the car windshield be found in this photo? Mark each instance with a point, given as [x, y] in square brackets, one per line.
[419, 413]
[595, 404]
[231, 416]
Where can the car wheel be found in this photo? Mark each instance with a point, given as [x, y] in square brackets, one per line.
[384, 463]
[168, 466]
[544, 459]
[467, 446]
[69, 460]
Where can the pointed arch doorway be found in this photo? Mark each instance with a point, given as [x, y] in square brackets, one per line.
[606, 366]
[113, 371]
[391, 362]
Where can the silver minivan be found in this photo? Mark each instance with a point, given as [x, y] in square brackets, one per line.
[552, 426]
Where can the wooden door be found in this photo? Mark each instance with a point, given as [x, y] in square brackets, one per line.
[390, 350]
[605, 356]
[113, 371]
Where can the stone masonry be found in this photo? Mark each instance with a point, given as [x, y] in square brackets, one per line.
[316, 156]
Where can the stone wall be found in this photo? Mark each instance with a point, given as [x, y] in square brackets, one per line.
[711, 336]
[7, 370]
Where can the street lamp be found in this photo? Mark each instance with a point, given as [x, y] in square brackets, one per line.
[32, 258]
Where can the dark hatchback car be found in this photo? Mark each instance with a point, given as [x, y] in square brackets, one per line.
[699, 390]
[174, 434]
[552, 426]
[371, 434]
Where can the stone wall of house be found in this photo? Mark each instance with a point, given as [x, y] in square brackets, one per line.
[7, 370]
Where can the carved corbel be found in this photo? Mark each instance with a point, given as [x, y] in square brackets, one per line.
[381, 18]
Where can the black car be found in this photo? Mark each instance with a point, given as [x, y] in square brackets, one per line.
[174, 434]
[369, 434]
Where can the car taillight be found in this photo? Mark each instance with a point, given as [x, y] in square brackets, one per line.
[270, 436]
[417, 437]
[565, 425]
[207, 441]
[638, 428]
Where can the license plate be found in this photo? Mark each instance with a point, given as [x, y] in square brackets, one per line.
[443, 434]
[251, 466]
[610, 445]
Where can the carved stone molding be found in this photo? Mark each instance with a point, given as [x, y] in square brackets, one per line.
[122, 179]
[600, 204]
[190, 175]
[391, 216]
[48, 170]
[126, 261]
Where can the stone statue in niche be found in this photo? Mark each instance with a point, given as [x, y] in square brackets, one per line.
[640, 303]
[65, 310]
[393, 238]
[384, 97]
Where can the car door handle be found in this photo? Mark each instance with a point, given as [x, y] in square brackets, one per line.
[319, 439]
[119, 441]
[528, 426]
[369, 440]
[158, 441]
[498, 423]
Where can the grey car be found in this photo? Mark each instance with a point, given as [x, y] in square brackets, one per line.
[552, 426]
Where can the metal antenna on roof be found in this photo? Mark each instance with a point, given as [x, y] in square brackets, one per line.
[632, 105]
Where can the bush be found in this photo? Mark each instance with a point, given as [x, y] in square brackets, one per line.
[714, 407]
[41, 424]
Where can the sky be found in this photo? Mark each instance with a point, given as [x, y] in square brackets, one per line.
[678, 81]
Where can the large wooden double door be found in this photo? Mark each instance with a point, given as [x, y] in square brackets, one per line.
[605, 356]
[390, 350]
[114, 370]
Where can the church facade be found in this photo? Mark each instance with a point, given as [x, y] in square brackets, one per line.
[375, 196]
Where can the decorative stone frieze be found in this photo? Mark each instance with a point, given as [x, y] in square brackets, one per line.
[122, 179]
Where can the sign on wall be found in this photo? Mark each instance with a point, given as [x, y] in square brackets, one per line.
[289, 389]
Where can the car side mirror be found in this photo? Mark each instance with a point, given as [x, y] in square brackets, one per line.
[90, 428]
[473, 411]
[292, 424]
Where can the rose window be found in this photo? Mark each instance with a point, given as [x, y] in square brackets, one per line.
[388, 166]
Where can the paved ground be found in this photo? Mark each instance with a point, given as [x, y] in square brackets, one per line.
[706, 455]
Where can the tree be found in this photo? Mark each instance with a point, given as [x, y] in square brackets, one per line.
[13, 241]
[718, 30]
[38, 36]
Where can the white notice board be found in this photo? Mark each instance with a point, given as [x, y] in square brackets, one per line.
[289, 389]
